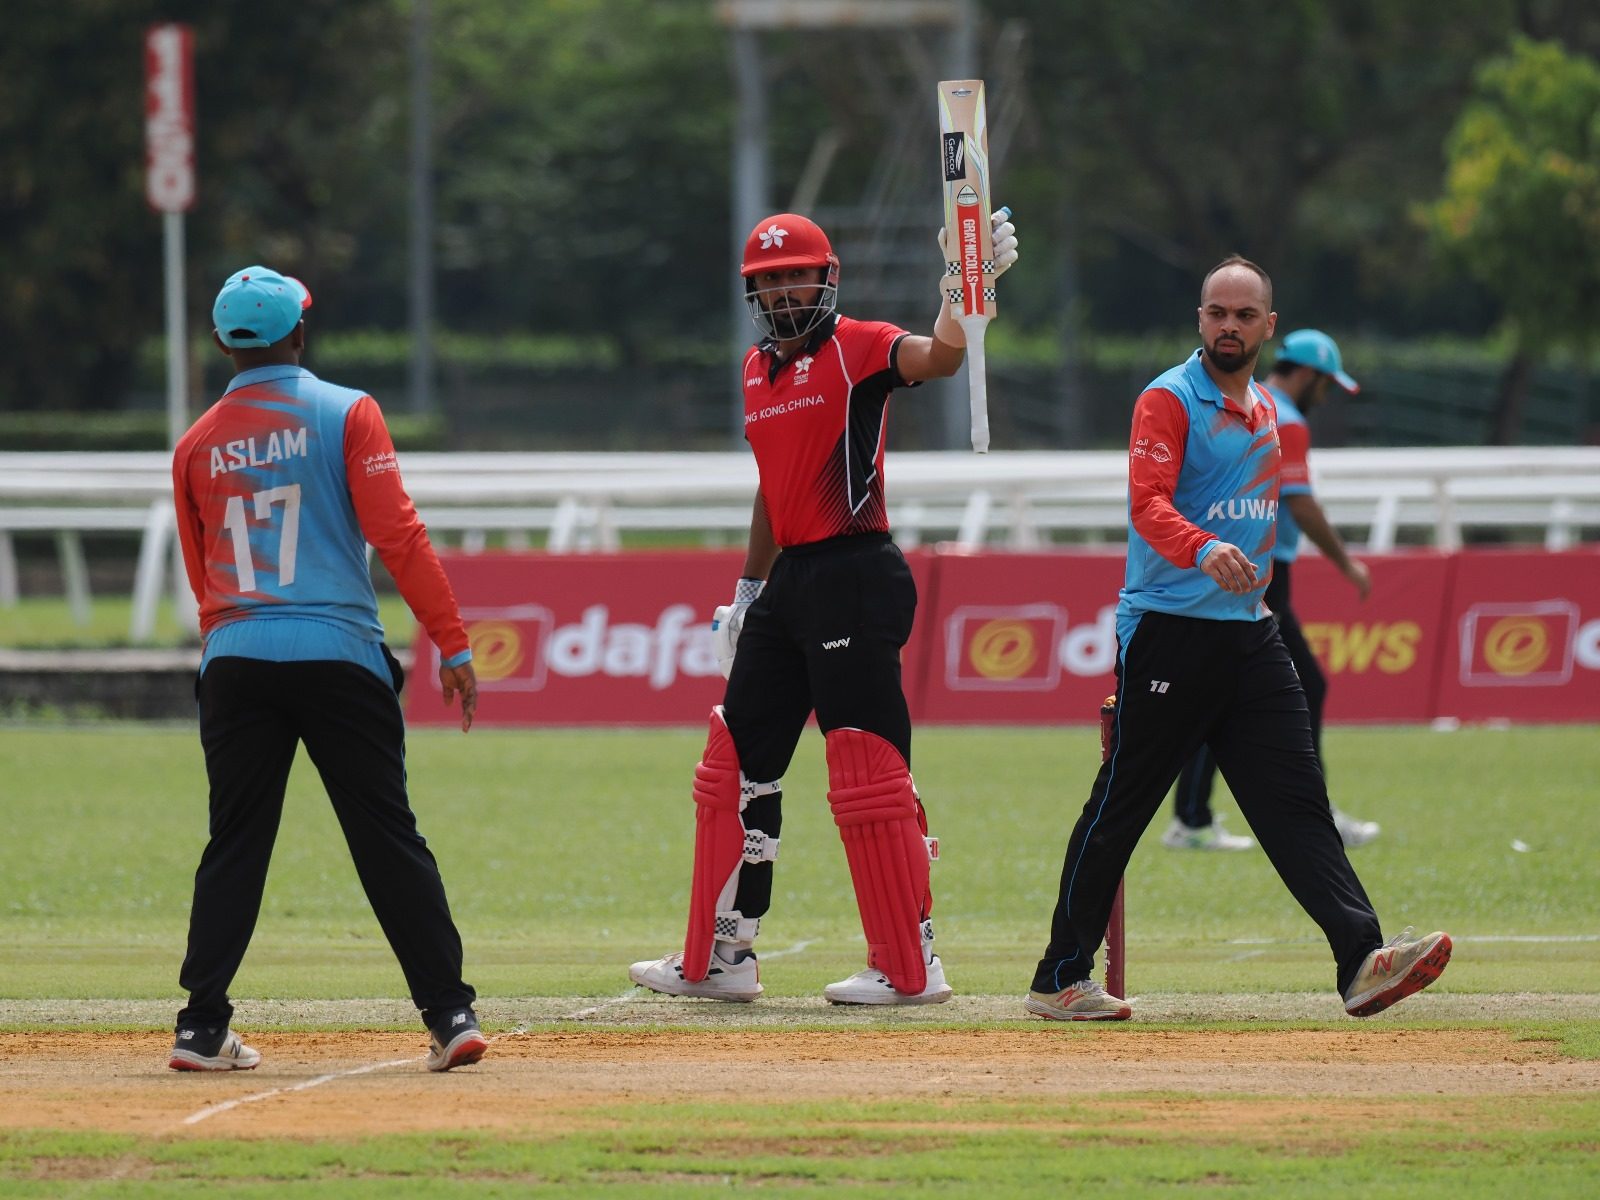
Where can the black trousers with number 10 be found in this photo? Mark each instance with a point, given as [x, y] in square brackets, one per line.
[253, 716]
[1181, 682]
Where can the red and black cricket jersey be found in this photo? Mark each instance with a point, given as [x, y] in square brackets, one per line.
[817, 425]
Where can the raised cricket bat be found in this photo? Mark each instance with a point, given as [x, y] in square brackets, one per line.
[969, 275]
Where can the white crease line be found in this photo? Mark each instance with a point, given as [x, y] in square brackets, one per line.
[212, 1110]
[583, 1014]
[1247, 954]
[797, 948]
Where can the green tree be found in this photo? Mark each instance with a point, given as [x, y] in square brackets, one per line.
[1521, 206]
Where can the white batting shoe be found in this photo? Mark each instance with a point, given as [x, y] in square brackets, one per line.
[1207, 837]
[1354, 832]
[1085, 1000]
[201, 1050]
[873, 987]
[739, 981]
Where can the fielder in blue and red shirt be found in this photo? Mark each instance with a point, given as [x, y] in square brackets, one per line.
[1307, 367]
[1201, 661]
[279, 488]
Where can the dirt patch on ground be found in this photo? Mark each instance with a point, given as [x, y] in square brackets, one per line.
[352, 1084]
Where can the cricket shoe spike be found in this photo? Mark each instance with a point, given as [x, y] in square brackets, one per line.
[873, 987]
[1085, 1000]
[738, 981]
[1400, 967]
[204, 1050]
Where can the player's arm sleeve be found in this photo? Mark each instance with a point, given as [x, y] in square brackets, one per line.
[879, 350]
[390, 523]
[1294, 473]
[1155, 457]
[191, 534]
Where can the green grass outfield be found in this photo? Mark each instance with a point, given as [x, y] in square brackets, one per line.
[566, 856]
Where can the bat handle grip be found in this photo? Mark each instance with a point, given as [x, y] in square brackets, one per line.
[977, 380]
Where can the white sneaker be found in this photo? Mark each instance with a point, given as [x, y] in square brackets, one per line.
[873, 987]
[1353, 832]
[1208, 837]
[740, 981]
[191, 1053]
[1085, 1000]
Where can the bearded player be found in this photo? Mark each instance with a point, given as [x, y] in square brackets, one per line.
[819, 618]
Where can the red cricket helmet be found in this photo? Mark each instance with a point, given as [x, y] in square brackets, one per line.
[788, 240]
[778, 243]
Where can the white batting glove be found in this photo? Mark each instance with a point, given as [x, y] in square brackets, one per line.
[727, 621]
[1003, 233]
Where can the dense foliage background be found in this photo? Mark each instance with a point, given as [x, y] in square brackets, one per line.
[1406, 173]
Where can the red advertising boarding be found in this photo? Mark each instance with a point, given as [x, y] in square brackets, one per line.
[1382, 658]
[602, 639]
[1524, 637]
[1016, 638]
[1004, 638]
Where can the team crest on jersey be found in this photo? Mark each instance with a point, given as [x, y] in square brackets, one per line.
[773, 235]
[802, 368]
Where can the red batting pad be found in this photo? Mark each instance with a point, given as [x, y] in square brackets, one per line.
[718, 842]
[875, 807]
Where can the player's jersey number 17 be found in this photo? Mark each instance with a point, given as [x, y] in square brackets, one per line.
[235, 522]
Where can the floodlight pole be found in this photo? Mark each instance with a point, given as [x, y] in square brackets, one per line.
[752, 173]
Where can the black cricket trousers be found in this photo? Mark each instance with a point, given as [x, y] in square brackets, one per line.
[824, 636]
[1182, 681]
[1192, 800]
[253, 715]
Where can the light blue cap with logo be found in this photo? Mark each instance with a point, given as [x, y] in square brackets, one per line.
[257, 307]
[1315, 349]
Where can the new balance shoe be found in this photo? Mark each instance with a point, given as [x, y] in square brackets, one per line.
[1207, 837]
[1085, 1000]
[1353, 832]
[1395, 970]
[737, 981]
[211, 1050]
[873, 987]
[455, 1041]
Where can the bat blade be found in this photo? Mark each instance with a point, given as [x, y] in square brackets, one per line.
[969, 289]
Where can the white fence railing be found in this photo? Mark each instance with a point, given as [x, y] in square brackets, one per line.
[1023, 499]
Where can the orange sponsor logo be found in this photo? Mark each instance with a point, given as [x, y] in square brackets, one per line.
[1012, 649]
[1519, 645]
[497, 648]
[508, 646]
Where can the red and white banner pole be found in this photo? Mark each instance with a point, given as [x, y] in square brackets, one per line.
[170, 187]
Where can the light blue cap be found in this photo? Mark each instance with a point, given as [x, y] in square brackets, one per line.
[1315, 349]
[258, 306]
